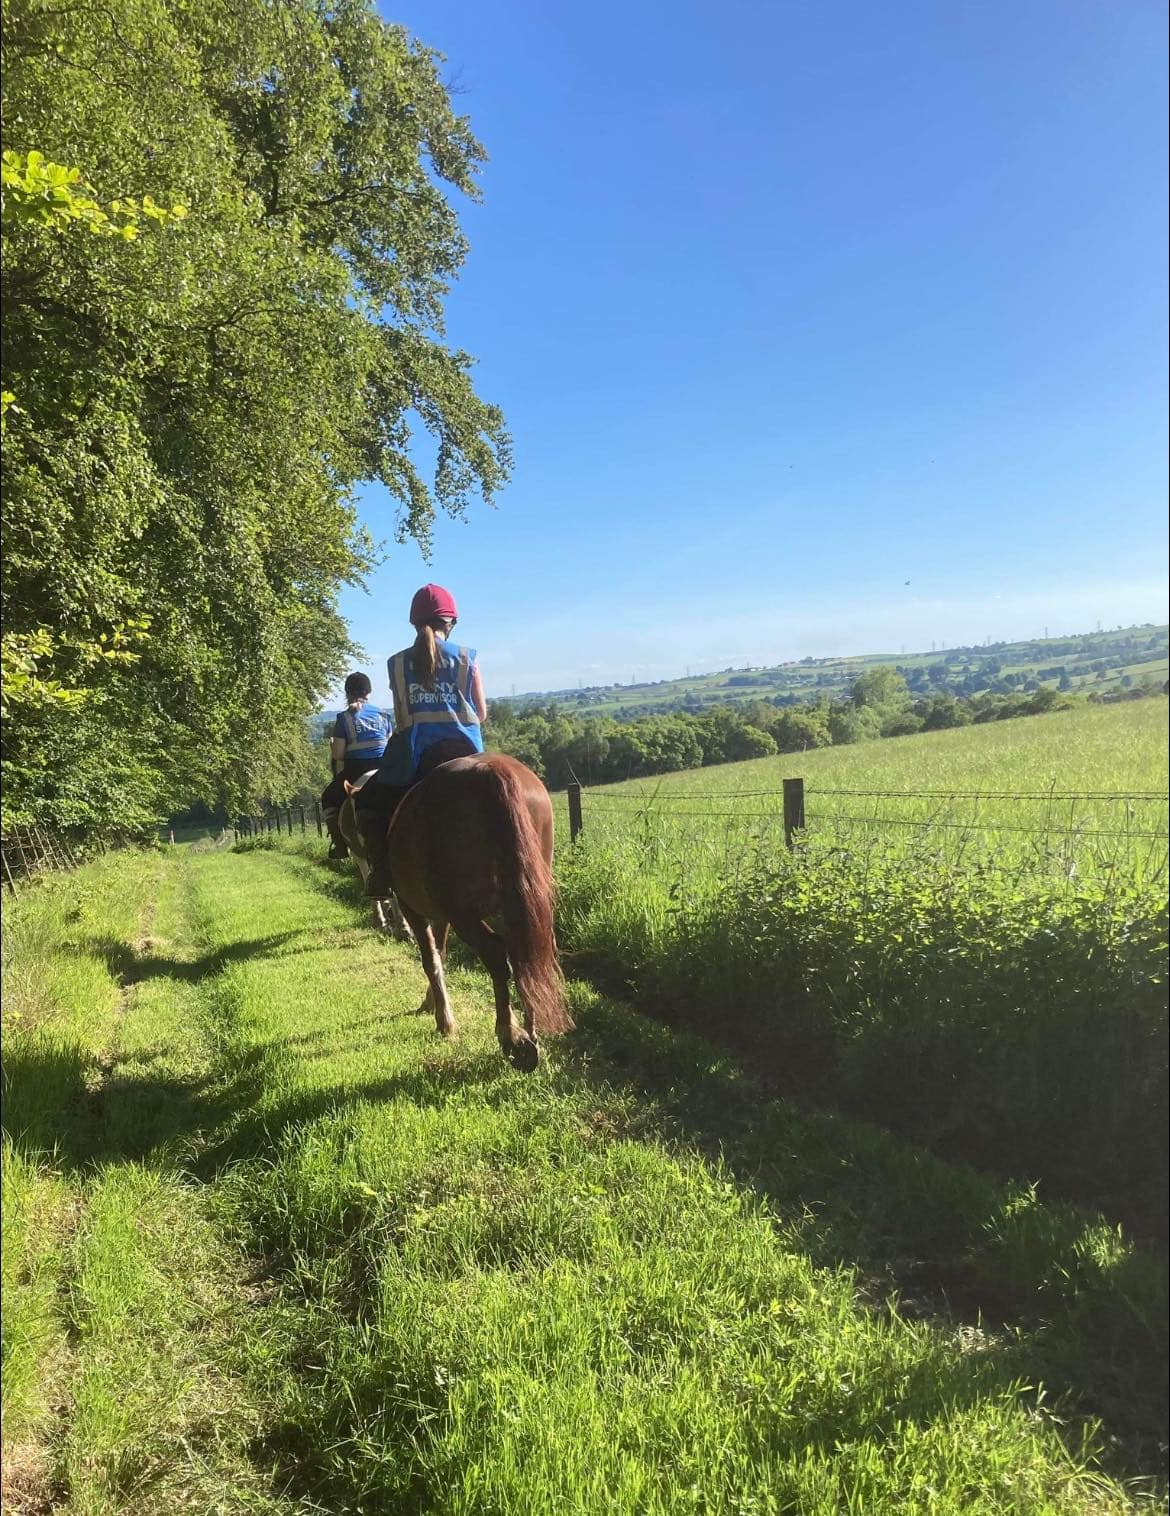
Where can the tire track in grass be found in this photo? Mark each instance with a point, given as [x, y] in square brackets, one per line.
[148, 1416]
[160, 1420]
[58, 1051]
[495, 1293]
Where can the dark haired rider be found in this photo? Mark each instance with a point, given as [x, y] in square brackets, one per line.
[360, 734]
[439, 708]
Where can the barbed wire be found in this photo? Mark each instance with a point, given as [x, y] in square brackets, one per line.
[596, 798]
[644, 808]
[923, 823]
[646, 811]
[1045, 795]
[927, 823]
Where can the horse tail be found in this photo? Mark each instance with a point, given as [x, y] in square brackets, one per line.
[529, 892]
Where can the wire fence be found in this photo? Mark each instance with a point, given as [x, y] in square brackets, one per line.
[27, 852]
[281, 821]
[30, 852]
[1073, 832]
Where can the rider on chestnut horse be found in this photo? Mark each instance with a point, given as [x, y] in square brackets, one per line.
[360, 734]
[439, 708]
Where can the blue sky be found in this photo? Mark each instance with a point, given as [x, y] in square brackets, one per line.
[789, 303]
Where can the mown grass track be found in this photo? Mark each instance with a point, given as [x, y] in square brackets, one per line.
[292, 1254]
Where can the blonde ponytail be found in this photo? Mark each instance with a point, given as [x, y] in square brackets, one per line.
[426, 658]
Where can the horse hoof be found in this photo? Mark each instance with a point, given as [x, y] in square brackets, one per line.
[523, 1055]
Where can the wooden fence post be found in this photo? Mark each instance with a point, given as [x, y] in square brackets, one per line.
[793, 809]
[8, 873]
[575, 824]
[317, 817]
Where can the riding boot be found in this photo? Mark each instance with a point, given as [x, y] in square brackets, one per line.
[374, 826]
[338, 847]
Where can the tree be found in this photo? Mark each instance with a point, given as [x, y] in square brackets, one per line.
[940, 712]
[749, 742]
[881, 686]
[188, 411]
[852, 723]
[797, 730]
[901, 724]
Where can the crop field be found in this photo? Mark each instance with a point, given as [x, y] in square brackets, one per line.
[270, 1247]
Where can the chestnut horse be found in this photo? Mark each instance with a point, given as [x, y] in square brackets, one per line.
[471, 847]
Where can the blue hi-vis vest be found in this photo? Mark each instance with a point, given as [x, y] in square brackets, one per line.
[366, 730]
[446, 711]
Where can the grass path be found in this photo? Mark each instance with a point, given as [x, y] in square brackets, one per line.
[271, 1247]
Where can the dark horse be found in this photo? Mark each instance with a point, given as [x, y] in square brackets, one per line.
[471, 847]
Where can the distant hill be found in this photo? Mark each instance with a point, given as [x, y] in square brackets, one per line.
[1090, 661]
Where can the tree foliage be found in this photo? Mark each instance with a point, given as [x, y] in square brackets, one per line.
[193, 394]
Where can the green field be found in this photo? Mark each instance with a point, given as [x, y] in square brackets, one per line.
[958, 790]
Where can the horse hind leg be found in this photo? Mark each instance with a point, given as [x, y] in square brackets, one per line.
[394, 921]
[439, 929]
[516, 1044]
[431, 954]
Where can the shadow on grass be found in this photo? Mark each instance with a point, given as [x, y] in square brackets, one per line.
[130, 966]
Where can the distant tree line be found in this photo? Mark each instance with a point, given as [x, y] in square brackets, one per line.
[879, 703]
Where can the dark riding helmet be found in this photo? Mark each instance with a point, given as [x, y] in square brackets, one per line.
[358, 687]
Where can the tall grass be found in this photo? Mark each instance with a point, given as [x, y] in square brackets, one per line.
[999, 996]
